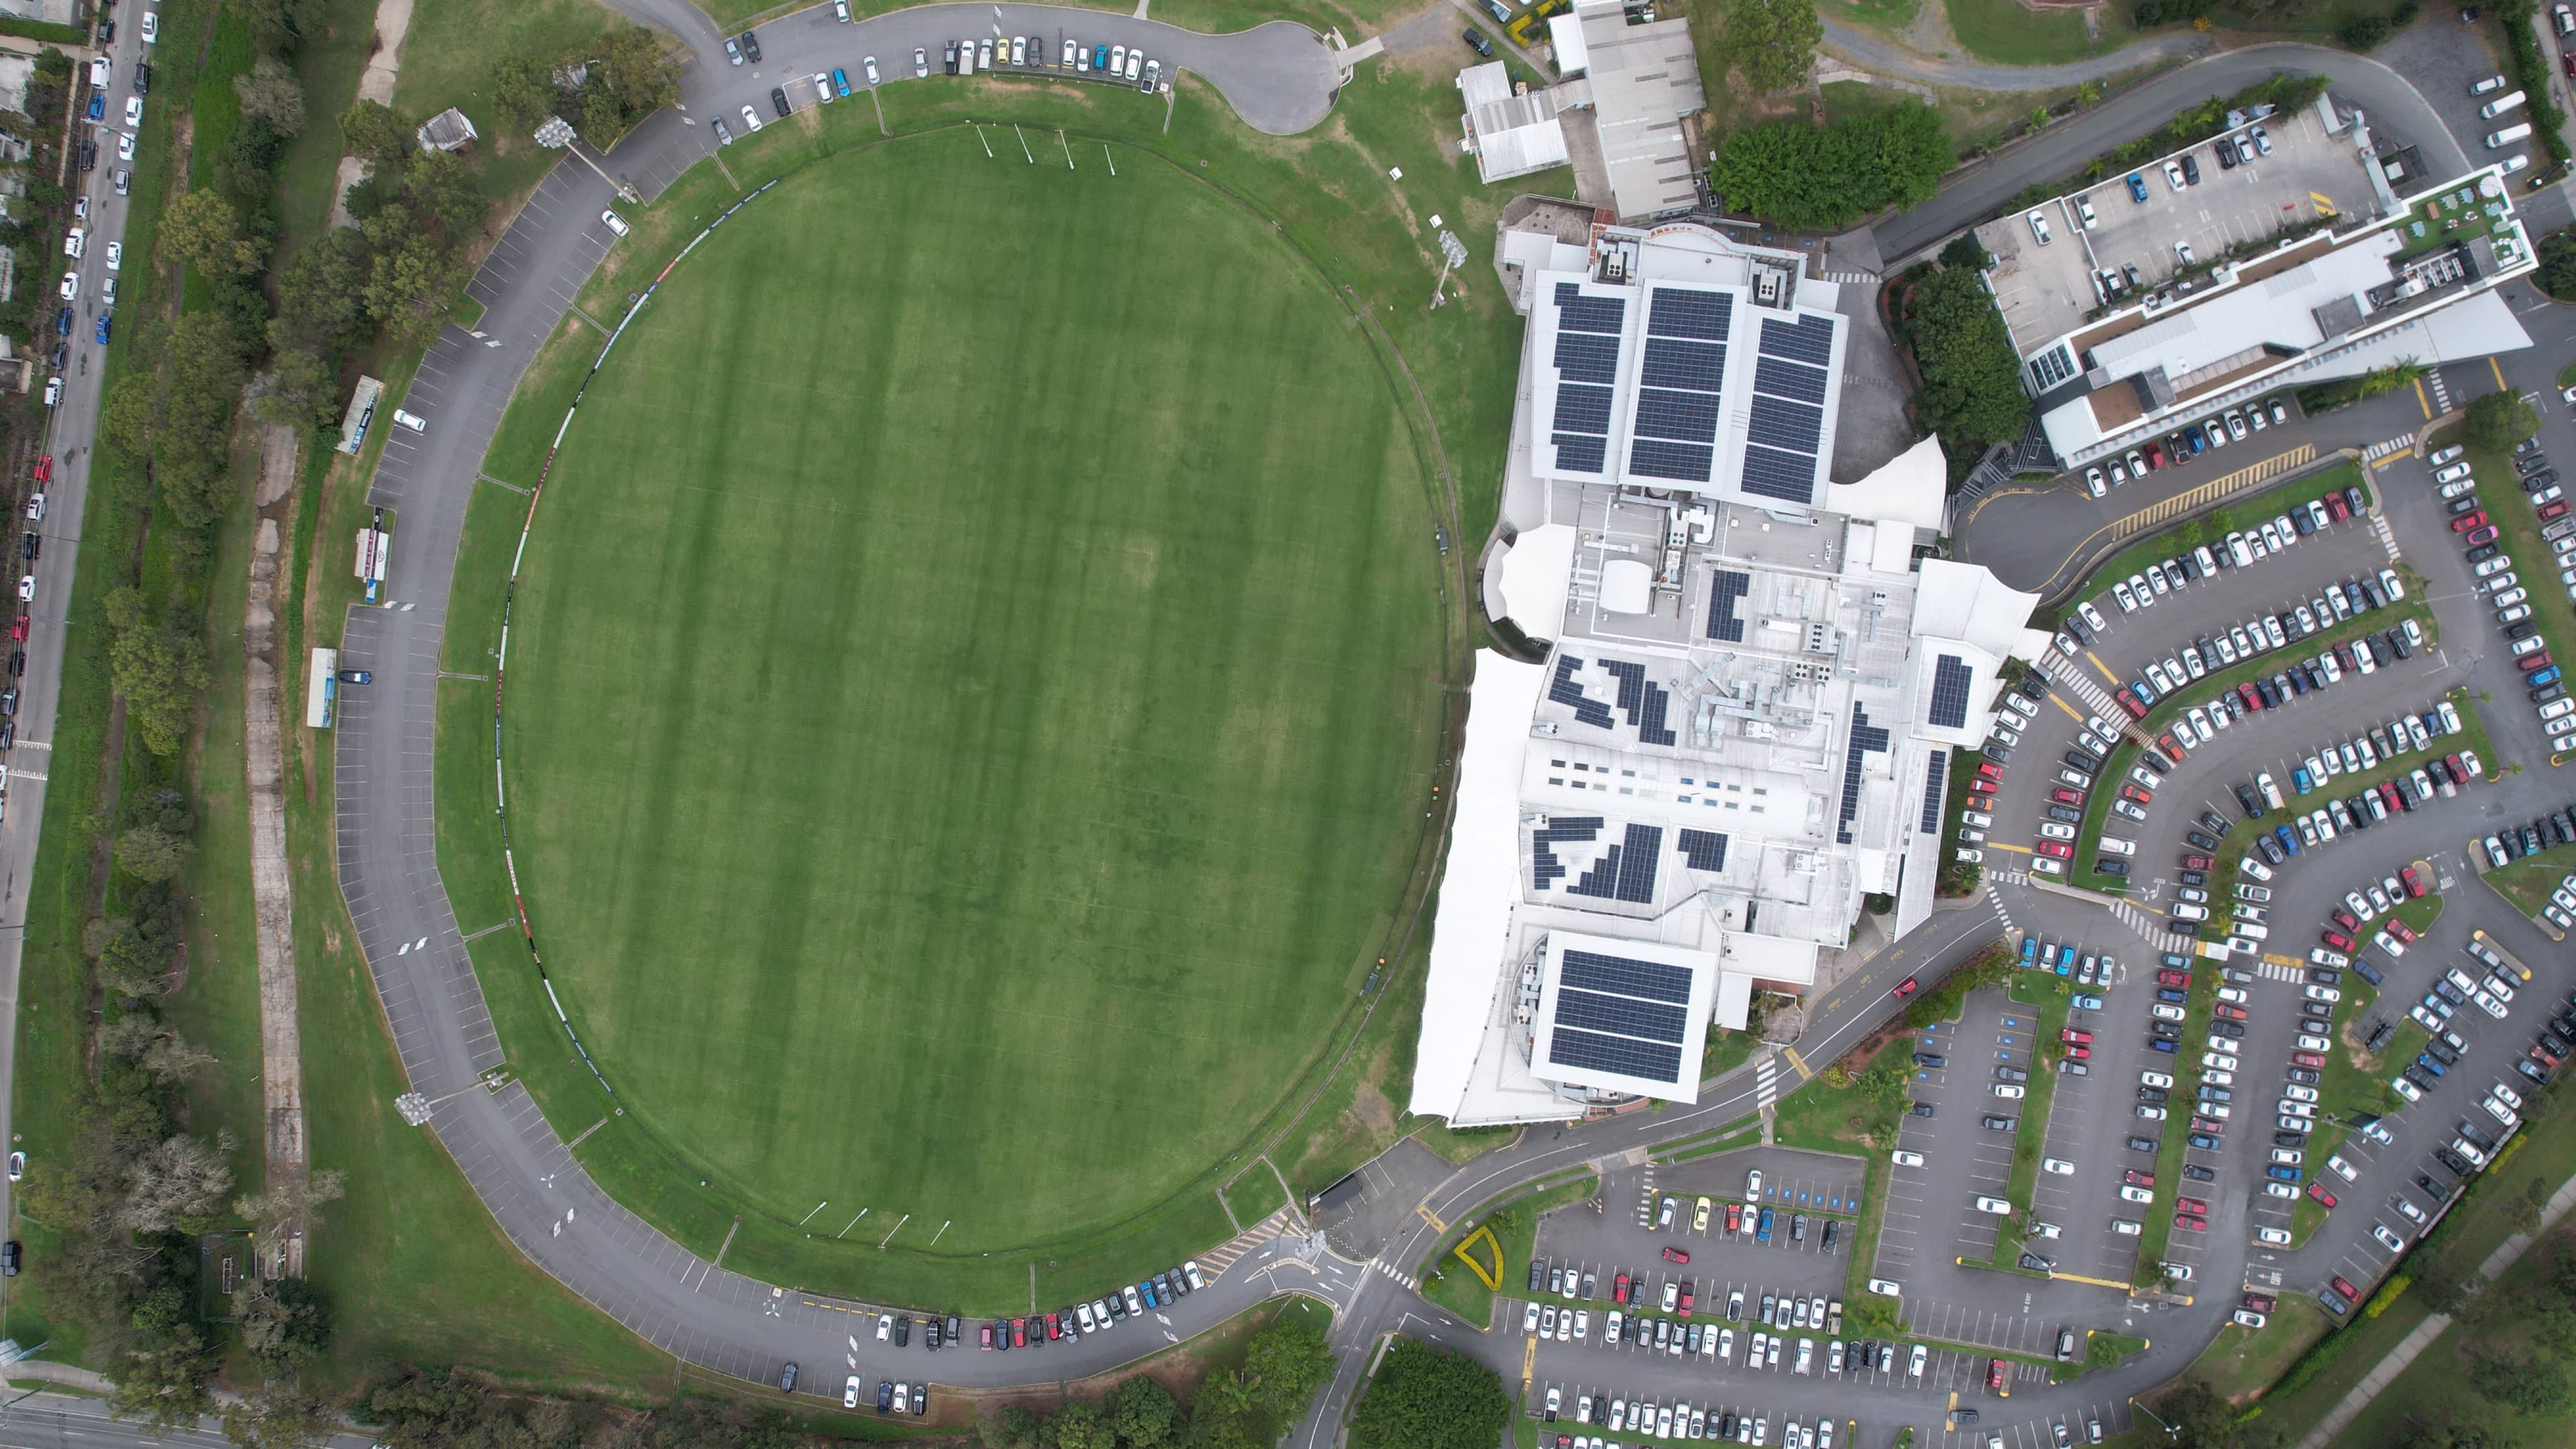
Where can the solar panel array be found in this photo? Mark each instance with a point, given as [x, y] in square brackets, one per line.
[1587, 364]
[1726, 587]
[1932, 782]
[1564, 690]
[1544, 866]
[1619, 1015]
[1651, 727]
[1704, 849]
[1951, 677]
[1865, 738]
[1632, 685]
[1786, 427]
[1626, 871]
[1675, 432]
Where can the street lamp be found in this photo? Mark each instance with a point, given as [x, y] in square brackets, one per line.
[557, 135]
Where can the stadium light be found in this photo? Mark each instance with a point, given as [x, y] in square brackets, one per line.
[557, 135]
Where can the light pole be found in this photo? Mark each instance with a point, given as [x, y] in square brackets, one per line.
[557, 135]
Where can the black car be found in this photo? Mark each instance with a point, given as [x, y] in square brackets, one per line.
[931, 1337]
[2069, 815]
[2271, 848]
[2110, 865]
[2289, 1139]
[2231, 1029]
[2037, 1264]
[2213, 822]
[751, 47]
[2084, 760]
[2201, 840]
[2190, 169]
[2156, 1096]
[885, 1395]
[1920, 1109]
[17, 662]
[2457, 1165]
[1538, 1275]
[2252, 802]
[2483, 552]
[2146, 1145]
[2192, 877]
[1477, 42]
[787, 1379]
[2325, 976]
[778, 102]
[921, 1398]
[1921, 1059]
[9, 1252]
[2164, 1031]
[903, 1330]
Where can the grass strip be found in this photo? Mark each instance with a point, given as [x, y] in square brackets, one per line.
[2051, 996]
[2246, 512]
[1514, 1220]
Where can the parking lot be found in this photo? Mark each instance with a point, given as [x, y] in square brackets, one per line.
[2048, 290]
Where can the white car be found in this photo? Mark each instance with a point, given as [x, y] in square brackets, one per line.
[2273, 1237]
[151, 27]
[1994, 1205]
[418, 424]
[2039, 227]
[850, 1393]
[115, 257]
[70, 287]
[2057, 1165]
[2160, 1080]
[2132, 1193]
[614, 222]
[1907, 1159]
[125, 145]
[2127, 1227]
[750, 119]
[133, 111]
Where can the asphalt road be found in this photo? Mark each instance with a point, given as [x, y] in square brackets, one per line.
[65, 1421]
[74, 423]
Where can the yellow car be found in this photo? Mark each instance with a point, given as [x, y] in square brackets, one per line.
[1699, 1221]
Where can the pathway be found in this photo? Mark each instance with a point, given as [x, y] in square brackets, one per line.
[384, 67]
[281, 1051]
[1874, 52]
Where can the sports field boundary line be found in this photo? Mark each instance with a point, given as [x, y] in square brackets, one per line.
[1307, 1084]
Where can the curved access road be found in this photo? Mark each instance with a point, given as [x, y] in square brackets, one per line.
[1878, 54]
[2388, 99]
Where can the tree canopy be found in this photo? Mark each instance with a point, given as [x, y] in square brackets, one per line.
[1773, 42]
[1429, 1398]
[2499, 420]
[1972, 394]
[1811, 178]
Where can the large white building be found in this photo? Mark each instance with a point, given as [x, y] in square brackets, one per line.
[1753, 679]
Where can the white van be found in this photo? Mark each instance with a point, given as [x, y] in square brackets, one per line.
[2498, 140]
[74, 240]
[2501, 104]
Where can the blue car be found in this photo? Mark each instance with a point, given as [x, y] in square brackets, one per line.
[63, 323]
[2288, 841]
[97, 107]
[2299, 778]
[2137, 188]
[2162, 1045]
[1762, 1228]
[2086, 1002]
[2425, 1060]
[2542, 679]
[102, 327]
[2029, 944]
[1100, 57]
[840, 80]
[2283, 1174]
[2065, 958]
[1146, 1292]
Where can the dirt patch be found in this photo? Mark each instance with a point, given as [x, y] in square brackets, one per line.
[1372, 1108]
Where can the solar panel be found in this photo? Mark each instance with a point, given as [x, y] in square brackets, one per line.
[1865, 738]
[1683, 312]
[1632, 685]
[1704, 849]
[1932, 782]
[1582, 408]
[1699, 366]
[1544, 866]
[1578, 313]
[1950, 680]
[1775, 474]
[1789, 379]
[1682, 462]
[1564, 690]
[1651, 1020]
[1579, 453]
[1645, 846]
[1651, 728]
[1808, 339]
[1653, 980]
[1725, 587]
[1792, 426]
[1648, 1061]
[1602, 880]
[1585, 357]
[1688, 416]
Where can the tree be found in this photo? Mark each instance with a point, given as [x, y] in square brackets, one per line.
[2526, 1382]
[1285, 1364]
[160, 672]
[1078, 1426]
[372, 132]
[285, 1325]
[1812, 179]
[523, 91]
[271, 96]
[1972, 394]
[2364, 33]
[1773, 41]
[293, 1205]
[1965, 253]
[202, 230]
[176, 1186]
[2499, 420]
[2557, 275]
[1143, 1412]
[1011, 1427]
[276, 25]
[150, 853]
[1428, 1398]
[280, 1417]
[125, 418]
[164, 1382]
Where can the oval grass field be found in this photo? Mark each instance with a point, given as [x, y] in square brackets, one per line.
[973, 691]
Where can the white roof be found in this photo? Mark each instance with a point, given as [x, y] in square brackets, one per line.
[1565, 35]
[1510, 135]
[2277, 312]
[1912, 487]
[1627, 587]
[1535, 570]
[1966, 603]
[1470, 928]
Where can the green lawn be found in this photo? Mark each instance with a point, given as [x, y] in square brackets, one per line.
[2011, 32]
[2527, 882]
[2246, 512]
[1034, 677]
[2510, 509]
[2050, 996]
[1454, 1286]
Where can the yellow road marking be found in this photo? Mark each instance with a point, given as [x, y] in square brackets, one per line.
[1529, 1362]
[2091, 1282]
[2277, 959]
[2097, 664]
[2421, 400]
[1796, 1061]
[2131, 524]
[2070, 709]
[2324, 203]
[1424, 1212]
[2015, 849]
[2499, 373]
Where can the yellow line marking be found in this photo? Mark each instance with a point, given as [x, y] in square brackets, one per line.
[2070, 709]
[1424, 1213]
[2499, 372]
[2423, 401]
[2015, 849]
[2097, 664]
[2277, 959]
[1529, 1362]
[1794, 1060]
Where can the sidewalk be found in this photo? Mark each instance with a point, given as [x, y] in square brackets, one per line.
[2388, 1368]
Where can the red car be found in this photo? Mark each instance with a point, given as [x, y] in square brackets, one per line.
[1019, 1333]
[2344, 918]
[2195, 862]
[1990, 769]
[2227, 1012]
[2261, 1302]
[2075, 1038]
[2193, 1206]
[1903, 989]
[2414, 881]
[2484, 536]
[2136, 796]
[2171, 747]
[1619, 1289]
[2554, 511]
[2388, 797]
[2402, 931]
[2210, 1125]
[2128, 699]
[2156, 451]
[2318, 1191]
[2079, 1053]
[984, 1336]
[2314, 1060]
[2063, 796]
[18, 628]
[1689, 1296]
[45, 468]
[1995, 1372]
[1981, 787]
[2336, 508]
[2173, 978]
[1676, 1255]
[2189, 1223]
[2253, 701]
[2533, 663]
[1734, 1218]
[2337, 940]
[2459, 771]
[1055, 1325]
[2057, 848]
[2346, 1291]
[2476, 518]
[2134, 1178]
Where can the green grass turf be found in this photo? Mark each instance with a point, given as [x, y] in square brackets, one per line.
[970, 684]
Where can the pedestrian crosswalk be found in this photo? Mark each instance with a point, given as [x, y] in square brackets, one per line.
[1646, 1196]
[2271, 970]
[2387, 538]
[2399, 444]
[2441, 390]
[1855, 278]
[1406, 1279]
[1216, 1260]
[1766, 1083]
[2147, 926]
